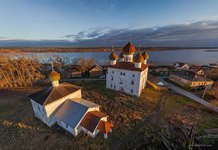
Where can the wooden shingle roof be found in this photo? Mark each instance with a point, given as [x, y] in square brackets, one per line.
[51, 94]
[91, 120]
[129, 49]
[129, 66]
[104, 127]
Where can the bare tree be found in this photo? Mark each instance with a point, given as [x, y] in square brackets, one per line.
[19, 72]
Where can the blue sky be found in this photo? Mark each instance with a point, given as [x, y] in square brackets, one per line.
[74, 19]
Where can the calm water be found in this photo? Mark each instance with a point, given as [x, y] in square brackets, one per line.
[192, 56]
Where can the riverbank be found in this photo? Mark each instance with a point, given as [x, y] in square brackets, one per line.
[86, 49]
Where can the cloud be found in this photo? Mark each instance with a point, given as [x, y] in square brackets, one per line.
[192, 34]
[3, 37]
[201, 33]
[88, 34]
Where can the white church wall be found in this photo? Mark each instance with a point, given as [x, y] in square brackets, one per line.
[39, 111]
[143, 80]
[67, 128]
[123, 80]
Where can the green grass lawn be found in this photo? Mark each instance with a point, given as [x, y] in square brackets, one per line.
[176, 102]
[99, 86]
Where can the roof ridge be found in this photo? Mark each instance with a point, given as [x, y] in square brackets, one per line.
[71, 85]
[48, 96]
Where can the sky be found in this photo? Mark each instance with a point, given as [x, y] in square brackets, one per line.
[108, 22]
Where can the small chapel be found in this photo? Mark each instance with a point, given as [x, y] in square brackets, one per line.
[62, 104]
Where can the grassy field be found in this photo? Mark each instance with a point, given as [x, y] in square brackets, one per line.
[154, 114]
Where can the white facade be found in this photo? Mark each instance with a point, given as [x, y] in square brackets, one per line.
[55, 83]
[64, 107]
[40, 113]
[44, 113]
[180, 66]
[128, 81]
[128, 58]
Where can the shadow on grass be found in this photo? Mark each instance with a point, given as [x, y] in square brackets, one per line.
[99, 86]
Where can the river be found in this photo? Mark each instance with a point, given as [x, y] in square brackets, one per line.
[192, 56]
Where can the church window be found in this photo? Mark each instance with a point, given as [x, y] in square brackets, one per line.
[132, 83]
[131, 90]
[124, 74]
[120, 73]
[133, 75]
[112, 78]
[112, 72]
[111, 86]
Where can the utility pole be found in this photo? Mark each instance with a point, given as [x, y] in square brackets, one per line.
[204, 92]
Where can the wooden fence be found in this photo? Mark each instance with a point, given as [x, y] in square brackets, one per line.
[22, 88]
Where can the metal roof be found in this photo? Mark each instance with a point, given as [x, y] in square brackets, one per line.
[86, 103]
[72, 111]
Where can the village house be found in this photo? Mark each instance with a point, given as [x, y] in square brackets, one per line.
[75, 72]
[95, 71]
[63, 104]
[195, 81]
[156, 83]
[197, 70]
[213, 65]
[163, 71]
[129, 75]
[181, 66]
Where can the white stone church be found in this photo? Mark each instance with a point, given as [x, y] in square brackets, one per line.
[129, 74]
[62, 104]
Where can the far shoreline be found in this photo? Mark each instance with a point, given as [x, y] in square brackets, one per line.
[92, 49]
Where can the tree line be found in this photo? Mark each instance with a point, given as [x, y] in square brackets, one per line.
[23, 71]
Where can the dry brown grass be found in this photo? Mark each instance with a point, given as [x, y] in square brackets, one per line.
[184, 118]
[19, 127]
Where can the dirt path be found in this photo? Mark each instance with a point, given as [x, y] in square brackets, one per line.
[192, 96]
[152, 119]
